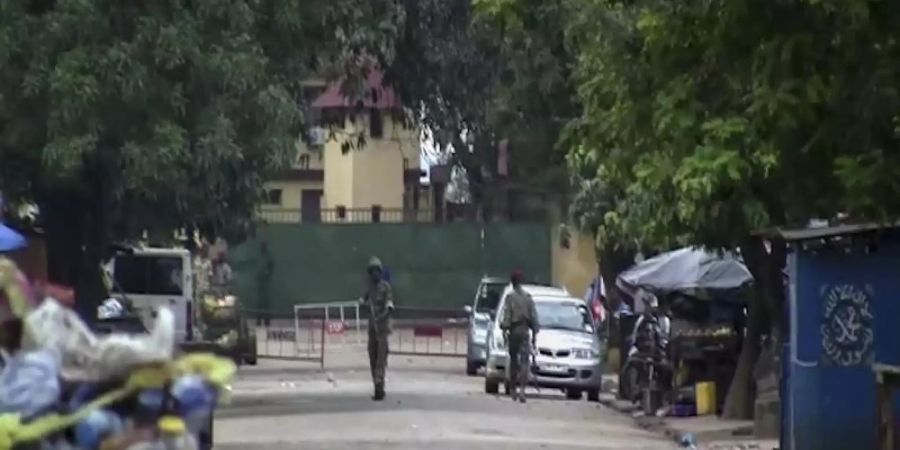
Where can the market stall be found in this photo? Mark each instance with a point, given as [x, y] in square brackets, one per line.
[704, 296]
[705, 345]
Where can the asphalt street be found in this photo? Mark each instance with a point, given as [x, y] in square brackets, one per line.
[431, 404]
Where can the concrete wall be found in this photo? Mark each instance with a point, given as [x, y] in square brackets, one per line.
[338, 176]
[576, 266]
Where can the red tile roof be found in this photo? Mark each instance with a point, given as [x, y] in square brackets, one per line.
[384, 96]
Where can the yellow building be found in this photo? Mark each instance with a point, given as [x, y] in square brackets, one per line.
[379, 181]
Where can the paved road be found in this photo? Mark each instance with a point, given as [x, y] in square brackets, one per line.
[431, 404]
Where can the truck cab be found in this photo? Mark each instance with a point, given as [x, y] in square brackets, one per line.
[149, 278]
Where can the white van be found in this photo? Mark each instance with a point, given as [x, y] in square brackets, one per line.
[155, 277]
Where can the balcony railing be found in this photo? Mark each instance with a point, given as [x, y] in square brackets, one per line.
[347, 215]
[451, 213]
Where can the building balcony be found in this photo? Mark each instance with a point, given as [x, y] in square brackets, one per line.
[346, 215]
[449, 212]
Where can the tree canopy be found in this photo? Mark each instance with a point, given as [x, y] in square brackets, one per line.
[164, 113]
[119, 117]
[474, 81]
[718, 118]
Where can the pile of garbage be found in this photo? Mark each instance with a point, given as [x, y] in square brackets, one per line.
[64, 387]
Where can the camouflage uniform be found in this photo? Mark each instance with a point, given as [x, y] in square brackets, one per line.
[519, 316]
[380, 301]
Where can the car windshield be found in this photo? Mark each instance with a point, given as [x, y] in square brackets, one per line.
[563, 316]
[489, 297]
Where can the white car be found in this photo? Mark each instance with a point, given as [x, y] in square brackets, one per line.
[568, 353]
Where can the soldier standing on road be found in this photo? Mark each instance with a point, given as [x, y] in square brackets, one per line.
[519, 317]
[380, 300]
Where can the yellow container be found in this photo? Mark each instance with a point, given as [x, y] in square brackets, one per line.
[706, 398]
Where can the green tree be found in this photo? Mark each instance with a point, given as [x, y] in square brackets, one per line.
[119, 117]
[472, 81]
[720, 118]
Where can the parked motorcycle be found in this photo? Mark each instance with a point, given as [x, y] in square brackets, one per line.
[647, 372]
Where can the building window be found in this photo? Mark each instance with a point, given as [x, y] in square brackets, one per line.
[376, 123]
[273, 197]
[341, 212]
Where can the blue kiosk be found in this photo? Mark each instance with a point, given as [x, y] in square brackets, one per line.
[844, 338]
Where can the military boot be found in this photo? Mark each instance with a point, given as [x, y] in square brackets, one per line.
[379, 392]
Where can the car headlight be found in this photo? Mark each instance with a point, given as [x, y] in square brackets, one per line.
[585, 353]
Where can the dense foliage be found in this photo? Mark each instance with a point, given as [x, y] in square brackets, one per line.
[166, 112]
[718, 118]
[118, 117]
[703, 121]
[474, 81]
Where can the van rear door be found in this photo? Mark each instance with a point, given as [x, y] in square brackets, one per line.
[151, 281]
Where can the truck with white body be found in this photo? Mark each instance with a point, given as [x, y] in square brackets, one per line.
[147, 278]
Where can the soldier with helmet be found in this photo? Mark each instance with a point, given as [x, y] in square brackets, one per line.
[379, 299]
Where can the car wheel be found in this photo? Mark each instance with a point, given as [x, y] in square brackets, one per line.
[573, 394]
[471, 368]
[491, 386]
[593, 395]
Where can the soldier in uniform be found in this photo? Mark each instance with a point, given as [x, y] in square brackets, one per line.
[380, 301]
[519, 317]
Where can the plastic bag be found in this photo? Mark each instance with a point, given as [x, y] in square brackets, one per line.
[195, 400]
[29, 383]
[87, 357]
[91, 431]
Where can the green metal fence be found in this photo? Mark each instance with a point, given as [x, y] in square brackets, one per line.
[431, 265]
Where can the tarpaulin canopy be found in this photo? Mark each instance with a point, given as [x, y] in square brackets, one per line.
[10, 239]
[691, 271]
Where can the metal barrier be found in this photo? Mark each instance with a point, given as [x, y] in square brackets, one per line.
[430, 332]
[318, 329]
[297, 337]
[339, 319]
